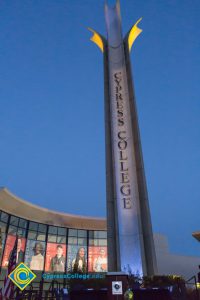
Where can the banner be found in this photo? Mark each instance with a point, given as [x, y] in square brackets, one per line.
[10, 242]
[97, 259]
[34, 257]
[55, 257]
[77, 259]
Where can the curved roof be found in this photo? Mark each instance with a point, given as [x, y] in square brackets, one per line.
[14, 205]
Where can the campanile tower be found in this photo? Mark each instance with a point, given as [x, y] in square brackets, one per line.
[130, 236]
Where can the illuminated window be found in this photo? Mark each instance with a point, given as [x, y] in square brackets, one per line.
[32, 235]
[97, 256]
[41, 237]
[17, 227]
[52, 238]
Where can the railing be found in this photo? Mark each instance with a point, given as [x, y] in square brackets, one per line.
[193, 282]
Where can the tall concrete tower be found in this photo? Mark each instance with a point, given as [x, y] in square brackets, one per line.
[130, 237]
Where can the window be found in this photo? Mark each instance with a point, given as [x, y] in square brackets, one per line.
[77, 237]
[41, 237]
[62, 231]
[12, 230]
[32, 235]
[37, 231]
[97, 234]
[22, 223]
[72, 240]
[42, 228]
[2, 237]
[57, 235]
[97, 238]
[82, 233]
[72, 232]
[21, 232]
[61, 239]
[14, 221]
[4, 217]
[33, 226]
[97, 259]
[53, 229]
[52, 238]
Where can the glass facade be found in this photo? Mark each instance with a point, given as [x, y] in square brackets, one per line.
[46, 248]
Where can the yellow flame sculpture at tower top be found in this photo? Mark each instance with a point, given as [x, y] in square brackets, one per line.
[133, 34]
[97, 39]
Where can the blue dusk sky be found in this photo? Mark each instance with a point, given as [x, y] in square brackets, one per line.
[52, 107]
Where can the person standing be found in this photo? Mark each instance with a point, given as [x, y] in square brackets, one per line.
[100, 263]
[58, 261]
[79, 264]
[37, 260]
[20, 253]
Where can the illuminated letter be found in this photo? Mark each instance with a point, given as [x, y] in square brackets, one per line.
[127, 192]
[127, 203]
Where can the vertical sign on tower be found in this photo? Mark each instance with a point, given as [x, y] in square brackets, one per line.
[130, 238]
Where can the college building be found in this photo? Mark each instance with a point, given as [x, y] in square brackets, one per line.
[50, 241]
